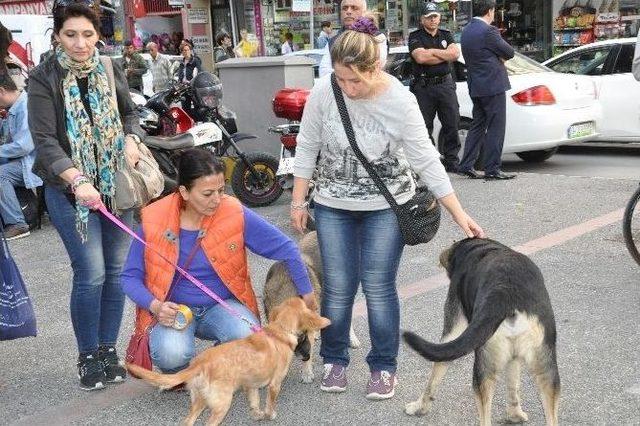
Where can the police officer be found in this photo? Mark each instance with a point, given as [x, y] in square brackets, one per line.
[432, 49]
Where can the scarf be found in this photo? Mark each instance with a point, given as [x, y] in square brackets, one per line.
[97, 149]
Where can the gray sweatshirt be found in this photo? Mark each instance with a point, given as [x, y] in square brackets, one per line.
[390, 132]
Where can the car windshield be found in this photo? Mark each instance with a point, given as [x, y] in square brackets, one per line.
[521, 64]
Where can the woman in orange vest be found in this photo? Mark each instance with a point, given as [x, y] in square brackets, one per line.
[207, 233]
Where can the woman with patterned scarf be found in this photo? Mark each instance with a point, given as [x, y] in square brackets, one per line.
[82, 139]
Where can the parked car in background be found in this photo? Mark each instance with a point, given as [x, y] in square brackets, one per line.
[147, 77]
[544, 109]
[608, 64]
[314, 54]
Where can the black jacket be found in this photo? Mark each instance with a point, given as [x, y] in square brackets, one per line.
[194, 63]
[47, 119]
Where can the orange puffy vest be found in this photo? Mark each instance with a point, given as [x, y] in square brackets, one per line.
[222, 243]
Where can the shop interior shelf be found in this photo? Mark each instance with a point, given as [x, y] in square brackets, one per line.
[574, 29]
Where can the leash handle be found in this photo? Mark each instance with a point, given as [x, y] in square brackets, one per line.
[205, 289]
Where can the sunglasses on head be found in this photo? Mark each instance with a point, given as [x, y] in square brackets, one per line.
[59, 5]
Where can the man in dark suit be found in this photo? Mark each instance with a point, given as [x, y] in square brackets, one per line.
[485, 52]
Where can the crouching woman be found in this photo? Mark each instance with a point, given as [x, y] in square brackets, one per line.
[206, 233]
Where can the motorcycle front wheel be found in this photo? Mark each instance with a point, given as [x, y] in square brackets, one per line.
[256, 192]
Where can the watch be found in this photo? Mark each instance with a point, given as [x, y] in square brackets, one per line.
[136, 138]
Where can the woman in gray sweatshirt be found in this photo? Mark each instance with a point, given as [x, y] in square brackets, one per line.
[358, 233]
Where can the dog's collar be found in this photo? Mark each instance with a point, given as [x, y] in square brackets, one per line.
[279, 337]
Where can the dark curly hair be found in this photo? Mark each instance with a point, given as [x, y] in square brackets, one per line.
[75, 10]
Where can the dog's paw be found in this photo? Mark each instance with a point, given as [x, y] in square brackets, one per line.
[257, 415]
[270, 416]
[307, 376]
[416, 408]
[516, 415]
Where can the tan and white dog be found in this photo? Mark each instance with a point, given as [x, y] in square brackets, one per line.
[497, 306]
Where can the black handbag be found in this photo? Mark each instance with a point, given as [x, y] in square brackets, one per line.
[418, 218]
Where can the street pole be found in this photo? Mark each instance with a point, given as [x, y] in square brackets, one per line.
[311, 38]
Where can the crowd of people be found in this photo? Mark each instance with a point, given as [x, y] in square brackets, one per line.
[72, 142]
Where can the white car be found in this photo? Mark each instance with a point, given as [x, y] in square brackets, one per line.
[608, 64]
[544, 109]
[314, 54]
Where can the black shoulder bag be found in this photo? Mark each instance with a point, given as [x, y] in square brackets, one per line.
[419, 218]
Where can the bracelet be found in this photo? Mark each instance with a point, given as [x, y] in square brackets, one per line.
[135, 138]
[78, 181]
[302, 206]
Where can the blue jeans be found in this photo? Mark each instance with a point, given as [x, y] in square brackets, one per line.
[172, 350]
[360, 247]
[10, 177]
[97, 299]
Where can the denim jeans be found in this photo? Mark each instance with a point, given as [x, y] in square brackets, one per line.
[360, 247]
[10, 177]
[97, 299]
[172, 350]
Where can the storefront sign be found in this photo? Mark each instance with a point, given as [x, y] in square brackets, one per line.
[176, 3]
[201, 44]
[257, 12]
[197, 16]
[301, 6]
[26, 8]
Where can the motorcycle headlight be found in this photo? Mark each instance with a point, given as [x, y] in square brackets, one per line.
[147, 115]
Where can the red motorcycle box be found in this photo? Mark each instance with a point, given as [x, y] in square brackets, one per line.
[289, 103]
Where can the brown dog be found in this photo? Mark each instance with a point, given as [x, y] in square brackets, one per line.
[254, 362]
[279, 286]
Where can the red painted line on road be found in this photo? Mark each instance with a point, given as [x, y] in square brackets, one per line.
[82, 408]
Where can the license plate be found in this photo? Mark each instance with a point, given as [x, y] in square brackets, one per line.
[582, 129]
[285, 167]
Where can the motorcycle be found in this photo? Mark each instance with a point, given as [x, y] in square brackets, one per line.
[252, 175]
[288, 104]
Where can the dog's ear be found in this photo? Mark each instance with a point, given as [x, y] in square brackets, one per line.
[444, 257]
[313, 321]
[275, 312]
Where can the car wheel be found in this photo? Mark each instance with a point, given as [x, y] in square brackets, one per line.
[537, 156]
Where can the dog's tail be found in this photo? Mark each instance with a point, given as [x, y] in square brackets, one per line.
[477, 333]
[163, 381]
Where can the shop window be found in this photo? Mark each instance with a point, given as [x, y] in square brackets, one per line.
[588, 62]
[625, 59]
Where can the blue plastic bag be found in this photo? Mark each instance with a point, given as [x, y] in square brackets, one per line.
[17, 318]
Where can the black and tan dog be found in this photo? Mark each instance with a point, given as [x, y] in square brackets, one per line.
[279, 286]
[497, 306]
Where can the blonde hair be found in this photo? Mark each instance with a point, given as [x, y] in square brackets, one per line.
[358, 51]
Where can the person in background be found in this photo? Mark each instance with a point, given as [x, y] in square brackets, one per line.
[210, 233]
[190, 65]
[133, 65]
[17, 156]
[161, 68]
[636, 60]
[485, 53]
[82, 140]
[326, 32]
[288, 46]
[358, 233]
[432, 51]
[224, 47]
[52, 51]
[245, 48]
[350, 11]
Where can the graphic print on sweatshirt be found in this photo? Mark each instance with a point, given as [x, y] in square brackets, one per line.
[342, 175]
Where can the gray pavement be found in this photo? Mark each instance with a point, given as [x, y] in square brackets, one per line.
[593, 283]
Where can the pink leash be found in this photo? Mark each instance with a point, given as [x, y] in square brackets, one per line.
[118, 222]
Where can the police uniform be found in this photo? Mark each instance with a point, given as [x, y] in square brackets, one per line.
[435, 90]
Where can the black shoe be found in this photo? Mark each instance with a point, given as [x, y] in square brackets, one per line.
[90, 372]
[450, 168]
[471, 174]
[498, 176]
[113, 371]
[13, 232]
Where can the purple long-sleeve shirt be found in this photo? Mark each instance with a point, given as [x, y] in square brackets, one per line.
[260, 237]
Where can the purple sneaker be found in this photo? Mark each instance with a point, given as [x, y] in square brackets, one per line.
[382, 385]
[334, 379]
